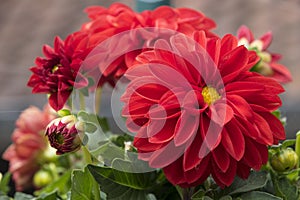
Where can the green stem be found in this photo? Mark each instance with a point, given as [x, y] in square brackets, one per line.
[88, 160]
[297, 145]
[98, 100]
[297, 148]
[81, 101]
[187, 193]
[87, 156]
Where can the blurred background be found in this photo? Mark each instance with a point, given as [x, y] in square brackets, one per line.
[28, 24]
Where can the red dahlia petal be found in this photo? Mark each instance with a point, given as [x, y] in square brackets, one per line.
[275, 125]
[224, 178]
[255, 155]
[266, 39]
[228, 43]
[198, 174]
[160, 131]
[174, 172]
[245, 32]
[240, 107]
[243, 170]
[221, 158]
[233, 141]
[266, 136]
[186, 128]
[191, 158]
[233, 63]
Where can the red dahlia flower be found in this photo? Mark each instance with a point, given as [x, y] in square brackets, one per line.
[268, 65]
[119, 18]
[28, 144]
[198, 110]
[55, 74]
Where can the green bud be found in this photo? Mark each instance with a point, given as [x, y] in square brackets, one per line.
[285, 160]
[64, 112]
[49, 155]
[42, 178]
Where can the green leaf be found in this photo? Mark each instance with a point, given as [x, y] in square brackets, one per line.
[138, 181]
[4, 197]
[119, 192]
[288, 143]
[227, 197]
[255, 181]
[22, 196]
[108, 152]
[198, 195]
[206, 198]
[257, 195]
[62, 185]
[103, 123]
[84, 91]
[285, 189]
[49, 196]
[90, 127]
[120, 185]
[82, 185]
[120, 139]
[4, 188]
[151, 197]
[83, 116]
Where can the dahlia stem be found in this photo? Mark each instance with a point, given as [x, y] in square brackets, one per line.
[87, 156]
[88, 160]
[81, 101]
[297, 148]
[98, 100]
[187, 193]
[297, 145]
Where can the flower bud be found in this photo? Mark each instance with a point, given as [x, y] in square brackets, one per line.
[49, 155]
[285, 160]
[63, 134]
[0, 177]
[42, 178]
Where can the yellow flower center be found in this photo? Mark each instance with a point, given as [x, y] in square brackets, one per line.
[54, 69]
[210, 95]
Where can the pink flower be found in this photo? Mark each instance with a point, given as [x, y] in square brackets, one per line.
[28, 143]
[268, 65]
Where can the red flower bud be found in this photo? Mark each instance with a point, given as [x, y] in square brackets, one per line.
[63, 135]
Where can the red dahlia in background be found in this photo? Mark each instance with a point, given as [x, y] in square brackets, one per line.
[198, 110]
[107, 22]
[268, 65]
[55, 74]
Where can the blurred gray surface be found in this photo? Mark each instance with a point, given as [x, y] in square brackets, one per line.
[28, 24]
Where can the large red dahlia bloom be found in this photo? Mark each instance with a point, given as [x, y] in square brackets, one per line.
[268, 65]
[198, 110]
[55, 74]
[118, 18]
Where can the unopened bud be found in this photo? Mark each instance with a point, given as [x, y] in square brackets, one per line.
[42, 178]
[49, 154]
[63, 135]
[285, 160]
[257, 44]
